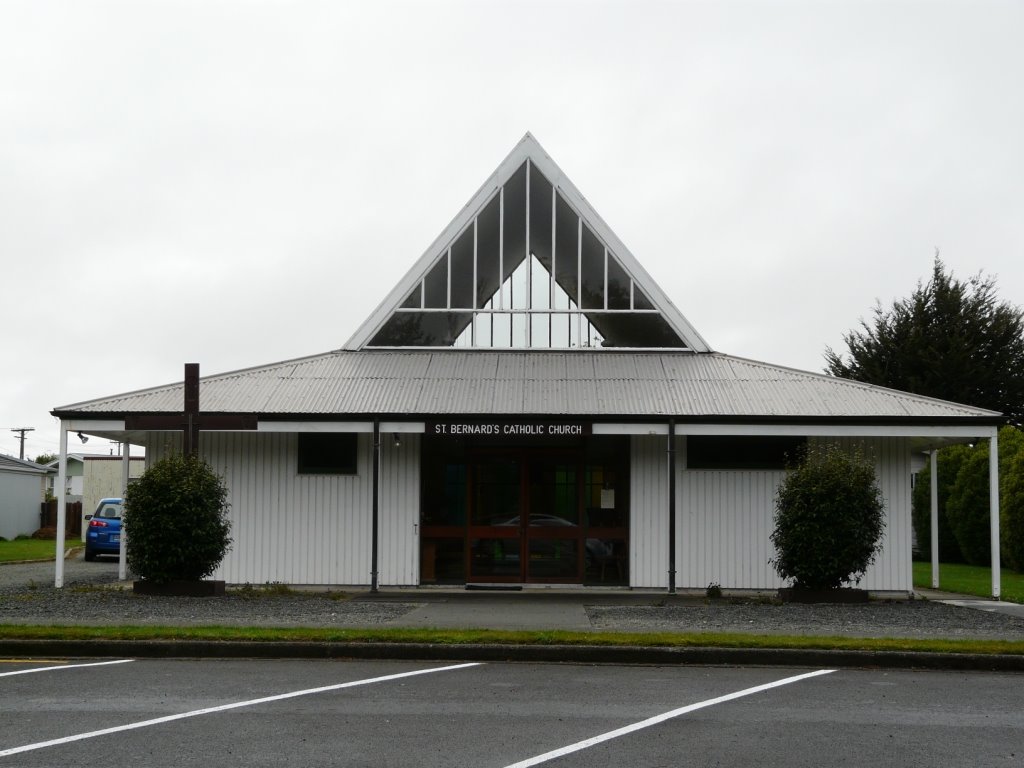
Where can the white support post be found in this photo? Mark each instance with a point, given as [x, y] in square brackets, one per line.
[935, 517]
[993, 510]
[62, 500]
[122, 560]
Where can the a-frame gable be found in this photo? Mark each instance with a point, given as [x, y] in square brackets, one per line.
[527, 263]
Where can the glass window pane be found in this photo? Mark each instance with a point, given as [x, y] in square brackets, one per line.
[517, 296]
[462, 271]
[635, 330]
[422, 329]
[540, 330]
[497, 494]
[502, 330]
[487, 281]
[606, 561]
[554, 558]
[436, 285]
[618, 285]
[442, 561]
[640, 301]
[560, 330]
[413, 300]
[566, 255]
[515, 222]
[519, 331]
[540, 288]
[540, 218]
[483, 331]
[494, 557]
[592, 262]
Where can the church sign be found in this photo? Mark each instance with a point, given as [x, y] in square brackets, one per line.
[508, 428]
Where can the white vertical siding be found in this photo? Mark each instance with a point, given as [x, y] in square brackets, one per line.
[893, 568]
[648, 505]
[310, 529]
[399, 553]
[726, 519]
[20, 497]
[316, 529]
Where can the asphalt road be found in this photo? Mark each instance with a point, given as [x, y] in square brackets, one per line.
[319, 713]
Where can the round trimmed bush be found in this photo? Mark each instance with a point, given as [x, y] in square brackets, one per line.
[175, 518]
[829, 519]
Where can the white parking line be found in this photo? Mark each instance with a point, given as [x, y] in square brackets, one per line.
[225, 707]
[64, 666]
[580, 745]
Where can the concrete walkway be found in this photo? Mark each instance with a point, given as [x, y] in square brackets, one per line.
[970, 601]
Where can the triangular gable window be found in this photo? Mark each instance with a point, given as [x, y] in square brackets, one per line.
[527, 270]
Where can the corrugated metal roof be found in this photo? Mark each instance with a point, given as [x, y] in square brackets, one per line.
[519, 383]
[11, 464]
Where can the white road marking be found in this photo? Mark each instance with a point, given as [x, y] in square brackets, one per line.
[64, 666]
[225, 707]
[581, 745]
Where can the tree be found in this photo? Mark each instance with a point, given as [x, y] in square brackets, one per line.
[829, 519]
[951, 340]
[175, 518]
[968, 504]
[45, 458]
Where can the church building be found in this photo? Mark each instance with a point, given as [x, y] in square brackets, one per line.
[525, 407]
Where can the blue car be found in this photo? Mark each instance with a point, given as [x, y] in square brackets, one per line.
[103, 536]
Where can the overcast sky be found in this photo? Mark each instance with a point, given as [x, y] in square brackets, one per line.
[238, 183]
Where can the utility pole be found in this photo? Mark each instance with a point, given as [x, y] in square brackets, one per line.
[23, 430]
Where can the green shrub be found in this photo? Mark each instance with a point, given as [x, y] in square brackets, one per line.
[968, 504]
[829, 519]
[1011, 511]
[967, 507]
[175, 518]
[949, 461]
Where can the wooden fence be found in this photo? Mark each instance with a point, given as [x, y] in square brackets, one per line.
[73, 519]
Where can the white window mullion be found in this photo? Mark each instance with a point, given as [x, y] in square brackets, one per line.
[554, 265]
[501, 248]
[472, 320]
[529, 261]
[579, 280]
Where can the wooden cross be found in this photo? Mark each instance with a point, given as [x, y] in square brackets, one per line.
[190, 421]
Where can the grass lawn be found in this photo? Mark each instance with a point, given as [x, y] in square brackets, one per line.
[32, 549]
[510, 637]
[971, 580]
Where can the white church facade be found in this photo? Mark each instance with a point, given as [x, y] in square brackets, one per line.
[526, 407]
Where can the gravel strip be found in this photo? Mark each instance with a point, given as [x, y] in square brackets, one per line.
[909, 619]
[92, 596]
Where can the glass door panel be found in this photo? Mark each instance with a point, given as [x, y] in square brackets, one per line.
[554, 559]
[553, 534]
[495, 529]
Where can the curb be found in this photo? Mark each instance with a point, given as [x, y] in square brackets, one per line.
[564, 654]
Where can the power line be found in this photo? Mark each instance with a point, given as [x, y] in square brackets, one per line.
[23, 430]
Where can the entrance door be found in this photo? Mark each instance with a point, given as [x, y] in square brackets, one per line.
[532, 513]
[524, 521]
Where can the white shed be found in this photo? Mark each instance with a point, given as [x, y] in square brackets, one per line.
[21, 493]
